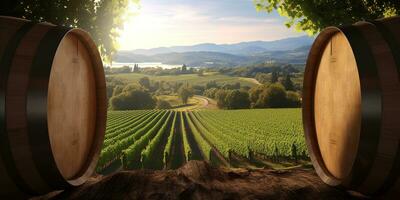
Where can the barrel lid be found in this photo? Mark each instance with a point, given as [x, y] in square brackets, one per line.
[337, 106]
[71, 109]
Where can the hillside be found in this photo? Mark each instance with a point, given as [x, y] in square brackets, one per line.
[243, 48]
[198, 180]
[291, 50]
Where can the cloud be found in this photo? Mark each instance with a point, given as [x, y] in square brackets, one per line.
[176, 23]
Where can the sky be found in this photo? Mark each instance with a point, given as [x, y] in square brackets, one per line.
[163, 23]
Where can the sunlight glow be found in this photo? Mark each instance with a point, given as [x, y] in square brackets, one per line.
[163, 25]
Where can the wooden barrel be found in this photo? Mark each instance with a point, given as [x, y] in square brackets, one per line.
[52, 107]
[351, 106]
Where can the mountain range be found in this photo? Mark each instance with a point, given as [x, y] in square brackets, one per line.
[289, 50]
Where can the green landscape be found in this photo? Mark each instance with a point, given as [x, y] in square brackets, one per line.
[245, 117]
[163, 139]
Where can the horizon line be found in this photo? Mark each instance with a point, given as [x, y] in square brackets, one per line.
[217, 43]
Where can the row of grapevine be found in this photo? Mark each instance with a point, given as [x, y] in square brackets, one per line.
[115, 149]
[171, 144]
[273, 133]
[157, 139]
[119, 118]
[153, 155]
[204, 147]
[215, 141]
[135, 123]
[186, 146]
[123, 123]
[235, 141]
[131, 156]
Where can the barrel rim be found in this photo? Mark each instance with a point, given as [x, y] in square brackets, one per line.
[371, 106]
[309, 82]
[101, 107]
[37, 107]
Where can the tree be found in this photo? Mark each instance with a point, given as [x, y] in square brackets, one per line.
[254, 95]
[262, 78]
[136, 68]
[236, 99]
[211, 84]
[162, 104]
[145, 82]
[111, 84]
[200, 72]
[273, 97]
[101, 18]
[220, 96]
[274, 76]
[293, 100]
[288, 83]
[132, 99]
[210, 93]
[117, 90]
[185, 92]
[312, 16]
[184, 68]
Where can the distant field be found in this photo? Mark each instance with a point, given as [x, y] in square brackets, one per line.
[161, 139]
[192, 79]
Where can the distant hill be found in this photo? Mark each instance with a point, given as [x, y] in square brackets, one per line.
[243, 48]
[289, 50]
[216, 59]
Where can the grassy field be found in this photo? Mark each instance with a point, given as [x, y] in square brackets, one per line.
[164, 139]
[193, 79]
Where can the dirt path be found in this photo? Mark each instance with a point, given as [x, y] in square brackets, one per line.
[207, 103]
[251, 80]
[198, 180]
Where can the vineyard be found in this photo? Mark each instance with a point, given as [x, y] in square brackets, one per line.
[162, 139]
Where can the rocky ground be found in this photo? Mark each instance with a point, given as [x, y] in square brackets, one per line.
[198, 180]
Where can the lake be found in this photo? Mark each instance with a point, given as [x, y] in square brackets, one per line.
[146, 65]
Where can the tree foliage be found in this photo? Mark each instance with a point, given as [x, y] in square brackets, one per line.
[132, 97]
[185, 92]
[145, 82]
[162, 104]
[273, 96]
[236, 99]
[313, 15]
[103, 19]
[274, 76]
[288, 83]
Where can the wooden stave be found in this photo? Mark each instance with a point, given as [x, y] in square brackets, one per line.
[36, 87]
[55, 180]
[385, 157]
[17, 127]
[309, 83]
[389, 28]
[12, 34]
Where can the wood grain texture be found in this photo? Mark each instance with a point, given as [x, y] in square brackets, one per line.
[390, 128]
[350, 106]
[10, 28]
[17, 129]
[337, 106]
[53, 109]
[71, 106]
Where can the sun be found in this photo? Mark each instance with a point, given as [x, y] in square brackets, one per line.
[139, 28]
